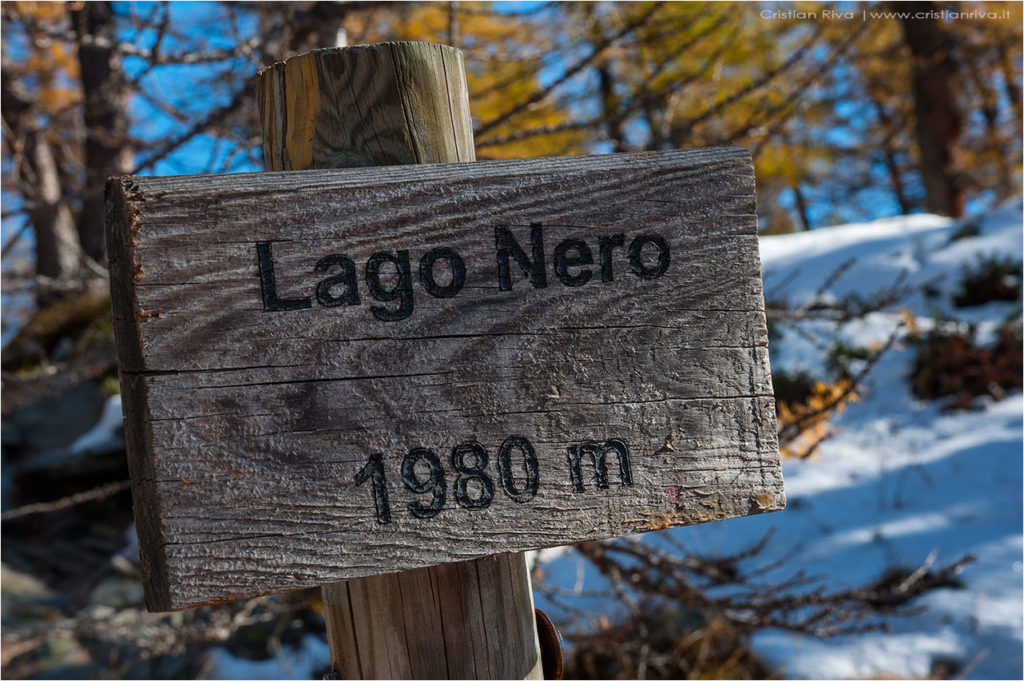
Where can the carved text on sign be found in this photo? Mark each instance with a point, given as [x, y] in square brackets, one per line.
[423, 473]
[569, 263]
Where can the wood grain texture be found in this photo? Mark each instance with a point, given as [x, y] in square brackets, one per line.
[366, 105]
[428, 622]
[436, 623]
[254, 424]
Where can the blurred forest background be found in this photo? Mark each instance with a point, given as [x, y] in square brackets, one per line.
[847, 120]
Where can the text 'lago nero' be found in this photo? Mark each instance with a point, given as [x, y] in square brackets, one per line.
[442, 271]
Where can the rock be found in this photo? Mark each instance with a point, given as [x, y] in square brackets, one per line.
[70, 672]
[251, 641]
[55, 473]
[107, 435]
[59, 656]
[13, 582]
[54, 421]
[163, 667]
[25, 598]
[117, 592]
[126, 561]
[64, 444]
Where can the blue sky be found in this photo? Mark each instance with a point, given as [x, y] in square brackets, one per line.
[191, 89]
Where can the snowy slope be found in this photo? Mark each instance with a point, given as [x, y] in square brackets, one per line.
[902, 479]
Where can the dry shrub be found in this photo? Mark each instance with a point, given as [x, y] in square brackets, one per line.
[665, 645]
[804, 409]
[805, 423]
[952, 363]
[992, 278]
[691, 616]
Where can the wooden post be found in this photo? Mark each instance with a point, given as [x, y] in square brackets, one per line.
[391, 104]
[277, 443]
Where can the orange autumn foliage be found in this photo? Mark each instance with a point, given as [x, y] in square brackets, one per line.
[805, 424]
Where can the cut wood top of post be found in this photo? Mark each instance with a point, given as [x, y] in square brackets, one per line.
[336, 373]
[323, 111]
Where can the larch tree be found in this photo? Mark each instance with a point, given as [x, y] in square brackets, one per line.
[840, 116]
[939, 122]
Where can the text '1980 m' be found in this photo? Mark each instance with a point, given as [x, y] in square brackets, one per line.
[423, 473]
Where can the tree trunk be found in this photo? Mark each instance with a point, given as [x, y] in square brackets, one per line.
[654, 114]
[801, 206]
[57, 253]
[1005, 186]
[889, 155]
[610, 107]
[1010, 87]
[107, 152]
[939, 122]
[303, 26]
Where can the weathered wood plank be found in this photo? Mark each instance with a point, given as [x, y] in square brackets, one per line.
[255, 425]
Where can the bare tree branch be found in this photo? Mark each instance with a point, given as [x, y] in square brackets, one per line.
[598, 50]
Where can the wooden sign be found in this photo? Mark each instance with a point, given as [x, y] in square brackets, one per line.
[337, 373]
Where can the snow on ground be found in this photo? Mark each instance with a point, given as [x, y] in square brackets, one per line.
[108, 433]
[290, 662]
[901, 480]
